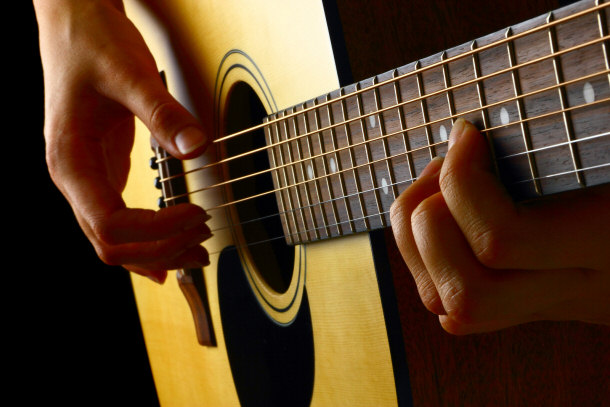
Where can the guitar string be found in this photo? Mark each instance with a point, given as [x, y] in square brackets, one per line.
[388, 135]
[370, 163]
[378, 214]
[372, 190]
[318, 131]
[418, 71]
[390, 108]
[539, 149]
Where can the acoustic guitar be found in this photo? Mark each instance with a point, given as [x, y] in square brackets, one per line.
[306, 300]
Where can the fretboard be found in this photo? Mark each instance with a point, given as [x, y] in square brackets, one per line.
[539, 91]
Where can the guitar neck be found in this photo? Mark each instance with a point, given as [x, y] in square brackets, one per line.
[538, 90]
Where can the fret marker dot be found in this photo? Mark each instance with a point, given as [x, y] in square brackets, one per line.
[333, 165]
[372, 120]
[588, 92]
[443, 133]
[384, 185]
[504, 117]
[310, 171]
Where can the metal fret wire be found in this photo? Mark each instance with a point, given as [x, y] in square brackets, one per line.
[329, 187]
[603, 31]
[347, 121]
[384, 142]
[299, 149]
[367, 150]
[277, 177]
[419, 126]
[293, 172]
[318, 123]
[567, 119]
[350, 147]
[287, 192]
[598, 8]
[527, 141]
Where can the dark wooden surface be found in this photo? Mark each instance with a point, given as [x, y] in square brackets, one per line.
[538, 364]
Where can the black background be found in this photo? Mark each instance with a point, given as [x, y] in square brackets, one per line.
[73, 330]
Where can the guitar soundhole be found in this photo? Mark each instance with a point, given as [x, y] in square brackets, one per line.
[259, 222]
[272, 363]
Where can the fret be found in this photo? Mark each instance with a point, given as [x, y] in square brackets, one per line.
[563, 101]
[603, 31]
[510, 49]
[354, 171]
[417, 128]
[447, 82]
[340, 172]
[311, 173]
[285, 185]
[381, 150]
[403, 126]
[480, 92]
[312, 227]
[286, 212]
[367, 152]
[424, 110]
[324, 168]
[292, 179]
[332, 166]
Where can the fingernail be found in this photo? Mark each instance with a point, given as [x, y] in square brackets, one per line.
[456, 132]
[153, 279]
[159, 279]
[189, 139]
[433, 167]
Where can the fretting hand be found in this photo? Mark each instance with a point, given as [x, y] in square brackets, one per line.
[483, 263]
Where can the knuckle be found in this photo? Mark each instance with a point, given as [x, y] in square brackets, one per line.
[397, 212]
[450, 177]
[162, 117]
[423, 213]
[107, 254]
[491, 245]
[462, 303]
[430, 299]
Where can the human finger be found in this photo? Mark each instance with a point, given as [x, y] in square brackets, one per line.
[548, 234]
[163, 251]
[400, 215]
[140, 225]
[139, 87]
[478, 298]
[195, 257]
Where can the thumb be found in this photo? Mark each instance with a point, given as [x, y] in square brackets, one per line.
[172, 125]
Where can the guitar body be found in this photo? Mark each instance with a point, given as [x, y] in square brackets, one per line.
[342, 324]
[347, 329]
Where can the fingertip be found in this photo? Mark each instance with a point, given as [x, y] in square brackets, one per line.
[460, 129]
[158, 277]
[456, 132]
[433, 168]
[190, 141]
[174, 127]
